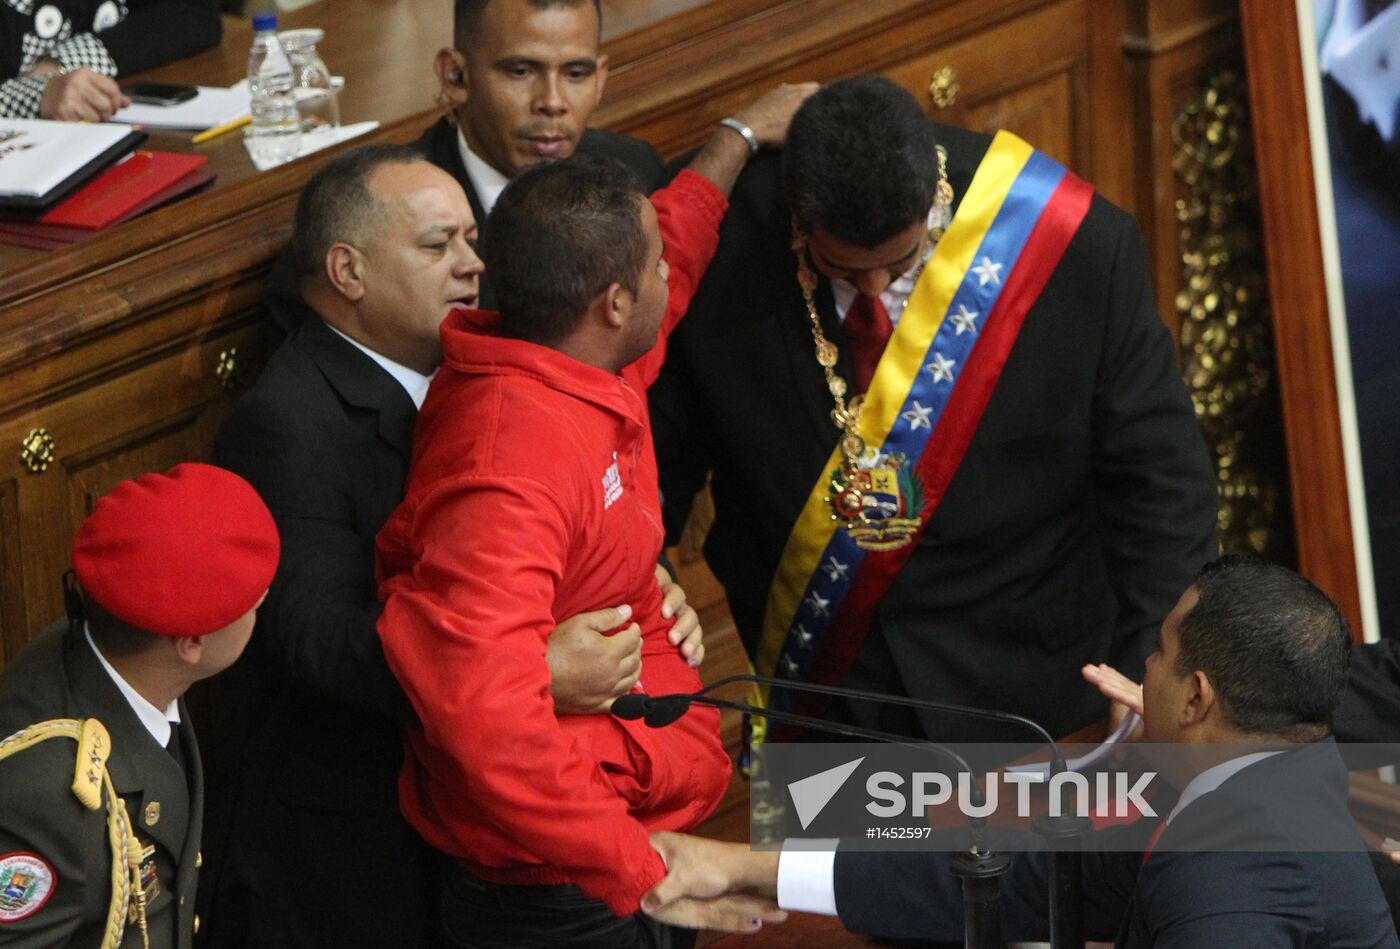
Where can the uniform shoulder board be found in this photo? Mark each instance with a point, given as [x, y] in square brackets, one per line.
[90, 780]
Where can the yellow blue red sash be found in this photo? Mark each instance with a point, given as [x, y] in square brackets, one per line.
[924, 403]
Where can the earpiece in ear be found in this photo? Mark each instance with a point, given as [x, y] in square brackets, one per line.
[455, 77]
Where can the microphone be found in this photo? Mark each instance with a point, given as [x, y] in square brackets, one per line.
[656, 711]
[642, 706]
[978, 868]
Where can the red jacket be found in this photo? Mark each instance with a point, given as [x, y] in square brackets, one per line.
[533, 496]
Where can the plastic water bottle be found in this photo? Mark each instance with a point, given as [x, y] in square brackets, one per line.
[275, 131]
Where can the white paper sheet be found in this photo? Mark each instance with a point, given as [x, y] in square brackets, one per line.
[323, 137]
[214, 106]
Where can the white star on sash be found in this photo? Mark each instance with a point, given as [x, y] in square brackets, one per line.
[836, 569]
[965, 320]
[988, 272]
[790, 665]
[917, 417]
[804, 638]
[817, 603]
[941, 368]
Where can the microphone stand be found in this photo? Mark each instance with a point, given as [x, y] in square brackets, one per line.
[978, 868]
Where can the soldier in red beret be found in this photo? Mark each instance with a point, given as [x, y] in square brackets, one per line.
[101, 848]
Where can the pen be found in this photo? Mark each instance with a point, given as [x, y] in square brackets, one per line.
[218, 130]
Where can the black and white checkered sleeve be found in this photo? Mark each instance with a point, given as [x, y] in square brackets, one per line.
[19, 98]
[85, 50]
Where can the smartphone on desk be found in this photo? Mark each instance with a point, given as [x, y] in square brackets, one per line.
[159, 93]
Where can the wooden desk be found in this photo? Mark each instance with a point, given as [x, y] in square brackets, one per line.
[385, 81]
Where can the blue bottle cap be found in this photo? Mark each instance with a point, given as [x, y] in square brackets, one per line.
[264, 21]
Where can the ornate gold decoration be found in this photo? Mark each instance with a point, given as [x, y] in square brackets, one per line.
[944, 87]
[1226, 331]
[227, 368]
[36, 451]
[849, 483]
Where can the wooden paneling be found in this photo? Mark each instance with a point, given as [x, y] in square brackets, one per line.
[1171, 49]
[147, 417]
[1027, 75]
[12, 600]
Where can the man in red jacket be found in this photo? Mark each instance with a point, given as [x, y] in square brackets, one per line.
[533, 494]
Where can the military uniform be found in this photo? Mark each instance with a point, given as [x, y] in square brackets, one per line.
[100, 818]
[63, 846]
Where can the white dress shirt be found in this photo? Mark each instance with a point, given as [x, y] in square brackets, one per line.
[807, 868]
[1364, 59]
[156, 722]
[413, 382]
[488, 182]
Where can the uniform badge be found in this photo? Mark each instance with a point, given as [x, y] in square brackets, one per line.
[150, 883]
[26, 882]
[880, 501]
[152, 813]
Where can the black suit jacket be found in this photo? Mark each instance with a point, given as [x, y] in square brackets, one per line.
[1369, 710]
[58, 676]
[439, 145]
[305, 781]
[1082, 509]
[1270, 858]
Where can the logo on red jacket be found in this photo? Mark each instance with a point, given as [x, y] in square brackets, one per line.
[612, 484]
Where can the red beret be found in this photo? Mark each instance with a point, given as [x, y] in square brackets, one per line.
[183, 553]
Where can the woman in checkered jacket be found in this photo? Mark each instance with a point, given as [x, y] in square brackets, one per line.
[58, 57]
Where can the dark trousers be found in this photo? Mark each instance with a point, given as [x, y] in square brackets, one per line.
[481, 915]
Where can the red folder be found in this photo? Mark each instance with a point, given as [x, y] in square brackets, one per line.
[120, 189]
[45, 236]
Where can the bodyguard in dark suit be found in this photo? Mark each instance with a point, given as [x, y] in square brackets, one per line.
[171, 569]
[303, 782]
[518, 86]
[1085, 499]
[1259, 851]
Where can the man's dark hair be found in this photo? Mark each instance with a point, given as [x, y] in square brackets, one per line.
[1274, 646]
[115, 637]
[559, 235]
[466, 17]
[337, 205]
[860, 161]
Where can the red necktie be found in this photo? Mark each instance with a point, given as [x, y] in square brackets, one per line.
[867, 328]
[1152, 841]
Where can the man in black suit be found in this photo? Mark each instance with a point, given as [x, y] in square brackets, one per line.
[1084, 502]
[1259, 850]
[303, 778]
[101, 847]
[518, 85]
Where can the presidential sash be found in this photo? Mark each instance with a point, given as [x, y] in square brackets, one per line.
[924, 403]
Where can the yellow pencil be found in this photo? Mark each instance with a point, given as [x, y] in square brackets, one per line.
[221, 129]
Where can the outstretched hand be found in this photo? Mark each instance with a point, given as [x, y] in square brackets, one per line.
[713, 885]
[1125, 694]
[769, 115]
